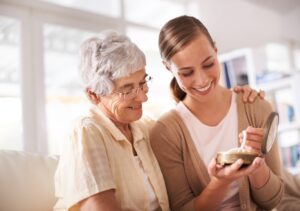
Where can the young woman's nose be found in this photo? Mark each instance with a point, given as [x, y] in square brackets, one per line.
[201, 78]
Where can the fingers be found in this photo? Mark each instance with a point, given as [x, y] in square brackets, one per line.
[252, 95]
[246, 90]
[254, 137]
[246, 93]
[237, 89]
[257, 162]
[249, 94]
[212, 167]
[261, 94]
[236, 171]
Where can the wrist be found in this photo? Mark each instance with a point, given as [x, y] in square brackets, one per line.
[260, 177]
[216, 183]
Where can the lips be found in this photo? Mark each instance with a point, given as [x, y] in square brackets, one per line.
[205, 89]
[135, 107]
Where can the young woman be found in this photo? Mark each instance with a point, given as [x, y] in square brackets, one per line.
[208, 119]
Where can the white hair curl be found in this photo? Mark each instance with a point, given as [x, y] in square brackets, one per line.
[107, 57]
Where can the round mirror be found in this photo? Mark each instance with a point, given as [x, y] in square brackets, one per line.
[271, 127]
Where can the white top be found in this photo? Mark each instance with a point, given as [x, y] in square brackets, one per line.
[152, 200]
[209, 140]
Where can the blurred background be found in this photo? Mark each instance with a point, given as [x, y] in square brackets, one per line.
[40, 91]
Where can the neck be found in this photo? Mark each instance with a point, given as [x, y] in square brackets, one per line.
[213, 109]
[123, 127]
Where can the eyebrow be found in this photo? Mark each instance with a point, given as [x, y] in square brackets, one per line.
[205, 60]
[129, 85]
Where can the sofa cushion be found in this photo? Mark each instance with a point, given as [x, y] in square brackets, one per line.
[26, 181]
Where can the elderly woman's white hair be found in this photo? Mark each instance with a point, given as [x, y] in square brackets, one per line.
[107, 57]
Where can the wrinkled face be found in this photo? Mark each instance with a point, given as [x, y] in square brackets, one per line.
[122, 109]
[196, 68]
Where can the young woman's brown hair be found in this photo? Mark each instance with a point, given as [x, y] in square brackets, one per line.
[173, 37]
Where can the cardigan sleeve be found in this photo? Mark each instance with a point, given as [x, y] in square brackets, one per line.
[271, 193]
[166, 144]
[291, 198]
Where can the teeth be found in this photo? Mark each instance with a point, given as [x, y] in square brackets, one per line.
[204, 88]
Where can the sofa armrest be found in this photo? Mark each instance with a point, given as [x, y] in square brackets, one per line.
[26, 181]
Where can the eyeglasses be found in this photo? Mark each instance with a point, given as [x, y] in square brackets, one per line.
[129, 94]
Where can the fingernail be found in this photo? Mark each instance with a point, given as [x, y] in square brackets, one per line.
[257, 162]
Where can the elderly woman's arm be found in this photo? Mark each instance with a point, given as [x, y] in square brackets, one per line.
[105, 200]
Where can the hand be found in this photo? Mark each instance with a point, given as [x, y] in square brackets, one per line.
[253, 139]
[225, 175]
[249, 94]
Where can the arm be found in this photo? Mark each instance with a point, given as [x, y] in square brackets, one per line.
[268, 192]
[84, 170]
[105, 200]
[168, 148]
[291, 198]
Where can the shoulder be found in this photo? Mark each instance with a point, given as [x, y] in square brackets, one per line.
[86, 132]
[168, 120]
[145, 123]
[87, 123]
[258, 103]
[168, 128]
[256, 113]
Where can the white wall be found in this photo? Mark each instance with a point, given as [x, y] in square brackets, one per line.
[237, 24]
[291, 25]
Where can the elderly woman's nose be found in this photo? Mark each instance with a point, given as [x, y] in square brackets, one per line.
[141, 96]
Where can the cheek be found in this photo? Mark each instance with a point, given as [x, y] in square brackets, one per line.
[185, 82]
[217, 72]
[116, 107]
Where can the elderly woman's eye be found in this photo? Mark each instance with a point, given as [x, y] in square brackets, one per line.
[142, 83]
[126, 91]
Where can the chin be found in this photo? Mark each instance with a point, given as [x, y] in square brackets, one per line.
[135, 117]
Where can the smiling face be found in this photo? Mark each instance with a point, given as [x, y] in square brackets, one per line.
[196, 69]
[124, 111]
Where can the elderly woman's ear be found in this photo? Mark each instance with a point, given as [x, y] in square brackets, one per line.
[92, 96]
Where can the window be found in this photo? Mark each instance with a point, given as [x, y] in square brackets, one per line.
[153, 13]
[147, 40]
[40, 90]
[10, 86]
[278, 57]
[104, 7]
[65, 98]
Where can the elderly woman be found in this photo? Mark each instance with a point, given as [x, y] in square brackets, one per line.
[108, 163]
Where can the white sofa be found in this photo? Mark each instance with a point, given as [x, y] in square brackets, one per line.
[26, 181]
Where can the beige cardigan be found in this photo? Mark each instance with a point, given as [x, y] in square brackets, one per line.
[291, 198]
[185, 173]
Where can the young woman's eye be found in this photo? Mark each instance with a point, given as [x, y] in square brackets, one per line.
[209, 65]
[186, 74]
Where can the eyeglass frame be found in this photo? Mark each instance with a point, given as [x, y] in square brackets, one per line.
[135, 91]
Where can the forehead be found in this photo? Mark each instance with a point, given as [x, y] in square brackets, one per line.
[132, 79]
[199, 48]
